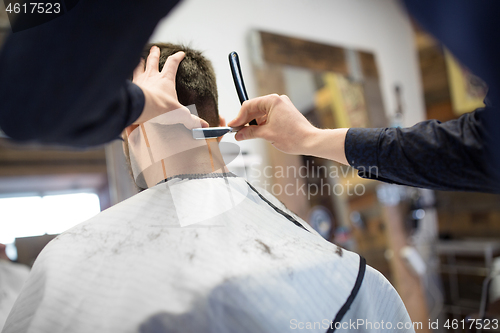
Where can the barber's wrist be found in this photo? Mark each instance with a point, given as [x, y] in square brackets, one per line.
[311, 141]
[327, 143]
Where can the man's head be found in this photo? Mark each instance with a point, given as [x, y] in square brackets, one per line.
[195, 83]
[195, 80]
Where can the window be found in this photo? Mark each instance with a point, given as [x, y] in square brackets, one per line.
[49, 214]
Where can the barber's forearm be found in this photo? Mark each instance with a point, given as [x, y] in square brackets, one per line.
[327, 143]
[442, 156]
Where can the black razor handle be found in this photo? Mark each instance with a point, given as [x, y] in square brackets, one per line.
[234, 63]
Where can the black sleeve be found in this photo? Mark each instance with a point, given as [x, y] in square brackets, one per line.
[462, 154]
[443, 156]
[65, 81]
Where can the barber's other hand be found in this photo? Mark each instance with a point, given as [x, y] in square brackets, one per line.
[159, 89]
[279, 122]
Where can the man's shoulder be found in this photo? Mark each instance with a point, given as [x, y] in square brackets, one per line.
[128, 214]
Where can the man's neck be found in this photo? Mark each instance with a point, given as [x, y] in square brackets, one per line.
[159, 151]
[205, 159]
[200, 157]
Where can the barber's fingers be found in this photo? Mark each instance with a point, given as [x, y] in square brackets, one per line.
[153, 61]
[182, 116]
[185, 117]
[253, 132]
[196, 122]
[138, 70]
[169, 70]
[254, 108]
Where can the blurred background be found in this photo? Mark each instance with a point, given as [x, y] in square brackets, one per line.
[357, 63]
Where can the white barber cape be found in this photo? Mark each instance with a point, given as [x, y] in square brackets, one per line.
[201, 254]
[12, 277]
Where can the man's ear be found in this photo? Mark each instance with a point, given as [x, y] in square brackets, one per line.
[222, 123]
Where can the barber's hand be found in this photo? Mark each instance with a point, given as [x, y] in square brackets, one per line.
[159, 90]
[279, 122]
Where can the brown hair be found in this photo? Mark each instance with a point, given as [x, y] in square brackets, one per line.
[195, 80]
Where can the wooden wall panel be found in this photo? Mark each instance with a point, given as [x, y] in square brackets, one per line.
[298, 52]
[374, 103]
[434, 76]
[368, 65]
[24, 160]
[465, 215]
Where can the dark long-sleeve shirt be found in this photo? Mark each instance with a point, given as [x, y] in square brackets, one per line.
[65, 81]
[462, 154]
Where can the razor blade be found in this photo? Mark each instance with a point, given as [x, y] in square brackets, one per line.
[213, 132]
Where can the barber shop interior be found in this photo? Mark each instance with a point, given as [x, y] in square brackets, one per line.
[254, 166]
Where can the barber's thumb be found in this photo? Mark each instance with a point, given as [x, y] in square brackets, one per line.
[250, 132]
